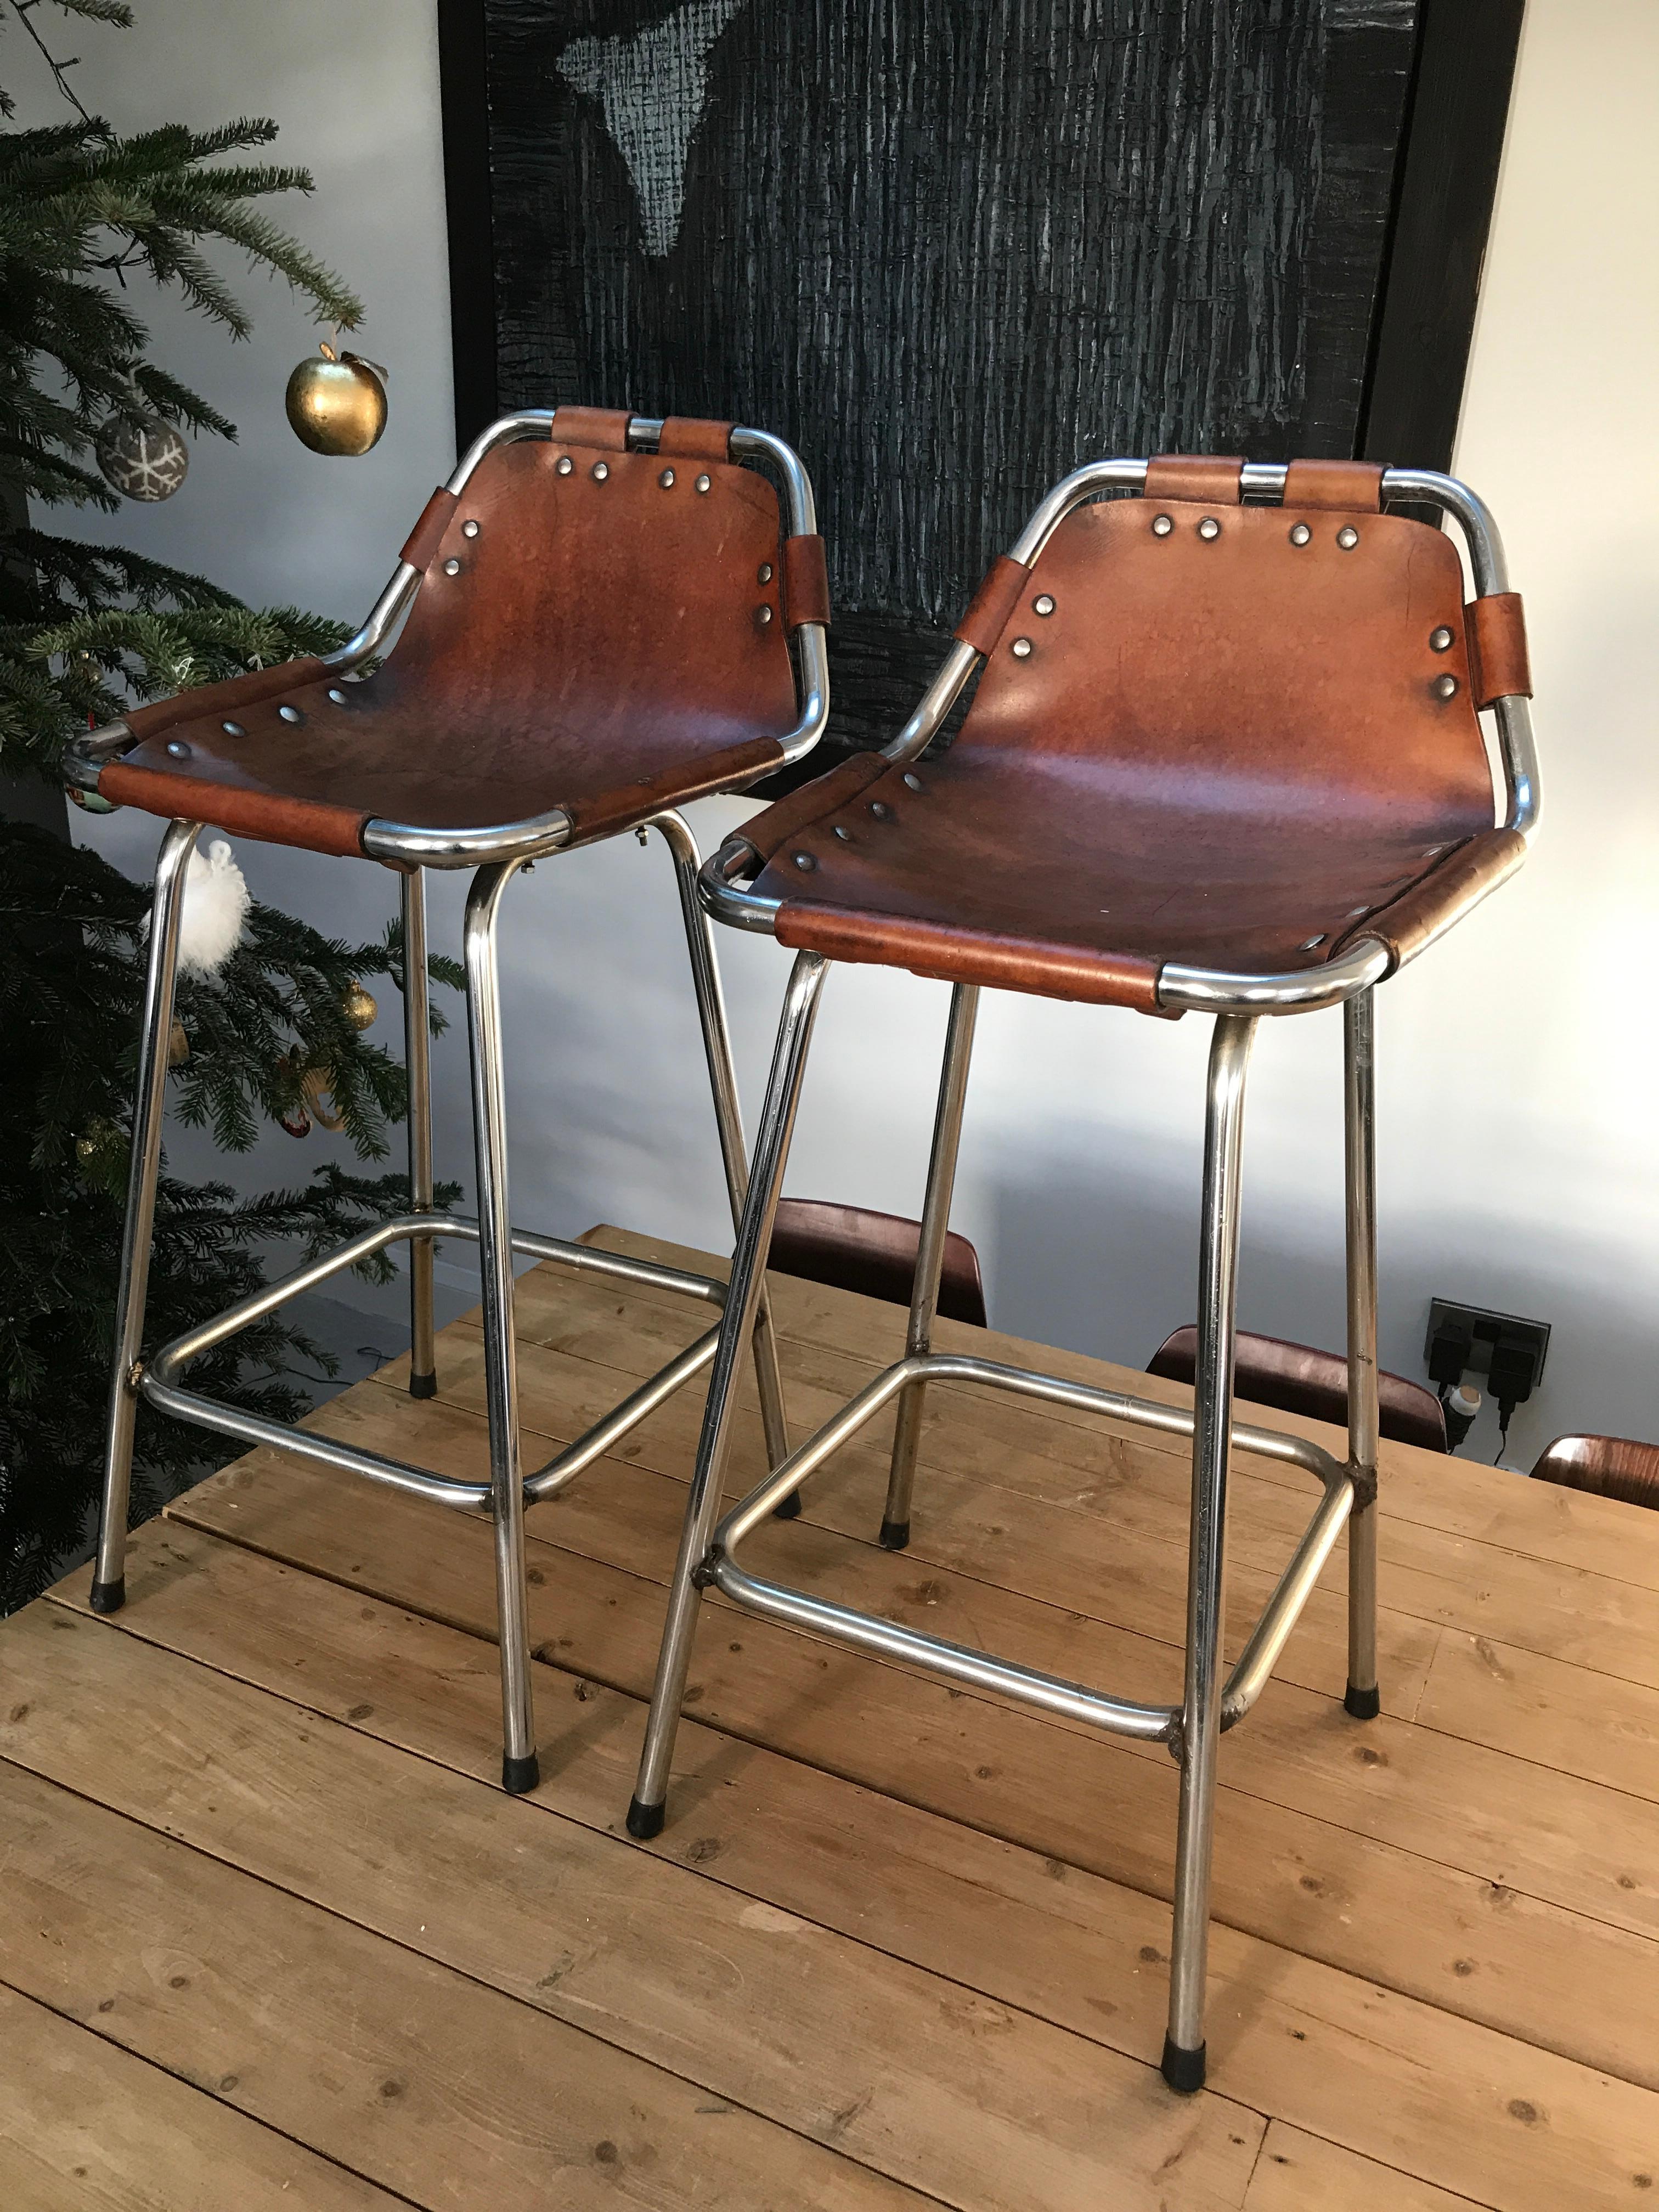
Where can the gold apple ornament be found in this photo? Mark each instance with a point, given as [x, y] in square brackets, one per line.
[337, 401]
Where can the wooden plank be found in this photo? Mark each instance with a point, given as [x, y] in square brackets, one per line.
[976, 2103]
[1459, 1497]
[83, 2124]
[422, 2081]
[1562, 1716]
[1401, 2082]
[1476, 1945]
[1298, 2173]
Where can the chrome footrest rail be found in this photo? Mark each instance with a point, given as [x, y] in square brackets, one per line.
[979, 1670]
[159, 1383]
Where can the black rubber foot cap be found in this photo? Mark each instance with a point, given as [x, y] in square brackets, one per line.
[520, 1775]
[423, 1386]
[895, 1535]
[109, 1597]
[788, 1508]
[1364, 1704]
[645, 1822]
[1183, 2069]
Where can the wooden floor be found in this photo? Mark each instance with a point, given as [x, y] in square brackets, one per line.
[271, 1935]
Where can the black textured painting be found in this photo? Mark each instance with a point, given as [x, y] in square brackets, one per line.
[948, 248]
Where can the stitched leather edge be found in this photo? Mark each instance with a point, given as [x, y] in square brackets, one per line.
[992, 602]
[806, 581]
[427, 536]
[688, 438]
[258, 814]
[966, 956]
[1353, 486]
[1495, 628]
[1210, 479]
[222, 698]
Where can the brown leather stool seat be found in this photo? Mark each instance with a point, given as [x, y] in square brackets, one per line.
[1607, 1467]
[1269, 1371]
[852, 1247]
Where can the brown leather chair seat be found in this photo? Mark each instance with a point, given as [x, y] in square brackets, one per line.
[588, 637]
[1297, 1379]
[1608, 1467]
[851, 1248]
[1228, 749]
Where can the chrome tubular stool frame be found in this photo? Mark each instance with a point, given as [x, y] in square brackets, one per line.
[496, 854]
[711, 1550]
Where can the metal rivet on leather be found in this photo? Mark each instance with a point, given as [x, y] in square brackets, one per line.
[1445, 687]
[763, 573]
[1347, 537]
[1043, 603]
[913, 783]
[291, 713]
[667, 479]
[1209, 528]
[337, 695]
[805, 861]
[1432, 852]
[881, 810]
[451, 566]
[1300, 534]
[762, 616]
[1021, 649]
[564, 465]
[1354, 913]
[1310, 944]
[179, 749]
[469, 529]
[1440, 640]
[601, 470]
[705, 483]
[1163, 525]
[233, 729]
[843, 833]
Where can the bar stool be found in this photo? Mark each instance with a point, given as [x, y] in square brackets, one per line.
[1224, 757]
[596, 611]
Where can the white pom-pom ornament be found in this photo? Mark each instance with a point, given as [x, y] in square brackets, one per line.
[217, 902]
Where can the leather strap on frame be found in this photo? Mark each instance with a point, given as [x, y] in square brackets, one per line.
[992, 604]
[259, 814]
[1445, 895]
[603, 428]
[427, 536]
[1496, 629]
[609, 811]
[806, 581]
[687, 438]
[222, 698]
[969, 956]
[1204, 479]
[1349, 487]
[812, 802]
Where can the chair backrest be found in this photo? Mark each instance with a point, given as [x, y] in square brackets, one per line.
[580, 584]
[1609, 1466]
[1305, 659]
[1297, 1379]
[852, 1249]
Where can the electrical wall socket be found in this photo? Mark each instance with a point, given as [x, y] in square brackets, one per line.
[1472, 1334]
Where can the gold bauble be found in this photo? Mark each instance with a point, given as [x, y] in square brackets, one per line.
[178, 1044]
[337, 401]
[359, 1007]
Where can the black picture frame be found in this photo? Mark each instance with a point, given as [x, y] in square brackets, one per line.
[1445, 187]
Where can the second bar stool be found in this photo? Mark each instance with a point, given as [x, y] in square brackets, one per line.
[1224, 758]
[595, 613]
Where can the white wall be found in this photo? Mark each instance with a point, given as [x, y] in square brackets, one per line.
[1516, 1082]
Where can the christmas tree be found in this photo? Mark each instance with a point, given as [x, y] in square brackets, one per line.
[86, 631]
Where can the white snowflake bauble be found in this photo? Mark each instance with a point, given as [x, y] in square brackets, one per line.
[143, 457]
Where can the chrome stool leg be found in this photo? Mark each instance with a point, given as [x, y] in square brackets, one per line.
[520, 1768]
[723, 1083]
[418, 1059]
[930, 1257]
[1206, 1567]
[1363, 1699]
[647, 1812]
[172, 866]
